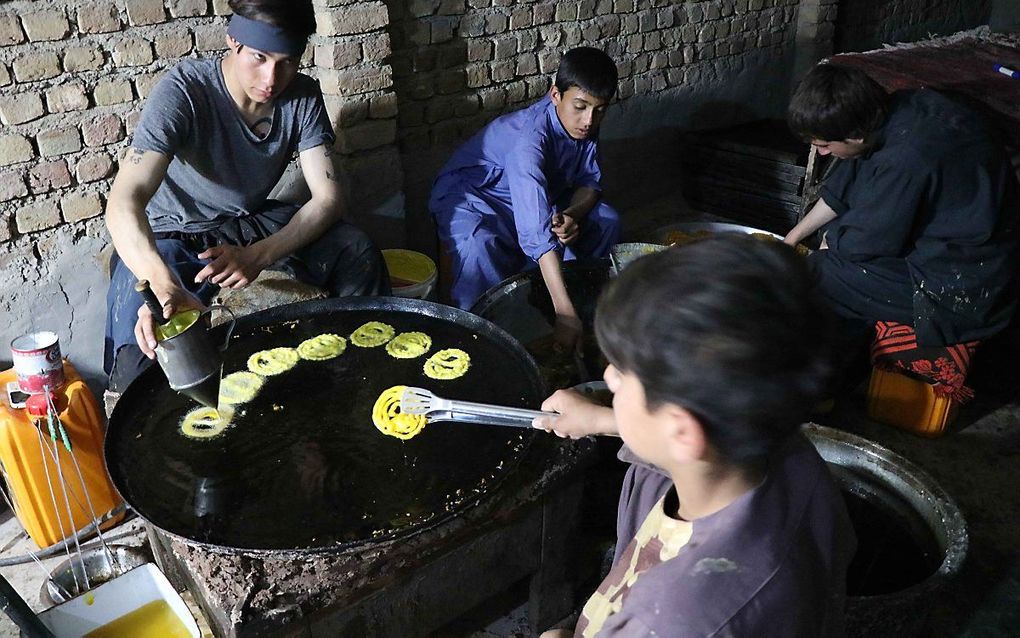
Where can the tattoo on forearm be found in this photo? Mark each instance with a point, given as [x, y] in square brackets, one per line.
[333, 177]
[328, 150]
[136, 155]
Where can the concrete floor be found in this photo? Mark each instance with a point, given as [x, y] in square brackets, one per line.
[976, 464]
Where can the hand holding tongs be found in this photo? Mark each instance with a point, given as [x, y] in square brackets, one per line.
[421, 401]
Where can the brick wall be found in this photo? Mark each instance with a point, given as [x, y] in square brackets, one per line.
[404, 80]
[459, 63]
[73, 78]
[867, 24]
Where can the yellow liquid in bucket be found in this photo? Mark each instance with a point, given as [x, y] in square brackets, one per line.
[152, 620]
[409, 268]
[178, 324]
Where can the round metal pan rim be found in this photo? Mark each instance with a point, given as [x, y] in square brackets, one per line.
[301, 310]
[877, 460]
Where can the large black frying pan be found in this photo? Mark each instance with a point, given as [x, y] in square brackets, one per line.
[303, 468]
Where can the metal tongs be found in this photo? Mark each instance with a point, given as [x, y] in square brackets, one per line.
[421, 401]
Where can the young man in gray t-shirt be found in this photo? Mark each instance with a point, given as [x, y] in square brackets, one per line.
[188, 210]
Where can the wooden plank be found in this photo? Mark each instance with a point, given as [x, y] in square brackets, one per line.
[698, 166]
[734, 183]
[707, 154]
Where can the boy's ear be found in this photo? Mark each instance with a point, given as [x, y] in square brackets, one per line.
[686, 439]
[555, 94]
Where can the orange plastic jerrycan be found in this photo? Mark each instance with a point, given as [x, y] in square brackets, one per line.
[55, 494]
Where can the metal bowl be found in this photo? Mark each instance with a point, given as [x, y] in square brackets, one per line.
[621, 255]
[899, 492]
[661, 235]
[95, 564]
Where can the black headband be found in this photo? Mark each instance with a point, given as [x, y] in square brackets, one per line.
[264, 36]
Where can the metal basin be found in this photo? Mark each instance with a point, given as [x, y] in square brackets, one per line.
[95, 567]
[912, 539]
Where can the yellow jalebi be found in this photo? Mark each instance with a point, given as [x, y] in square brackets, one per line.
[447, 364]
[275, 361]
[322, 347]
[372, 334]
[204, 422]
[408, 345]
[240, 387]
[388, 418]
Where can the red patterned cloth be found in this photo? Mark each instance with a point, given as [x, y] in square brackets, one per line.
[943, 367]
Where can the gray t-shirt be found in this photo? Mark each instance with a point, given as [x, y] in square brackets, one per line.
[220, 168]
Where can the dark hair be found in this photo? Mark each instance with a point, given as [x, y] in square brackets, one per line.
[589, 69]
[834, 103]
[727, 327]
[294, 16]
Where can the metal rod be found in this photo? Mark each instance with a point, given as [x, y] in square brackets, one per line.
[114, 564]
[52, 420]
[84, 487]
[499, 411]
[43, 450]
[70, 520]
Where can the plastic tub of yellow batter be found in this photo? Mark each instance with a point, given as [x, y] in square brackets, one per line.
[412, 274]
[140, 603]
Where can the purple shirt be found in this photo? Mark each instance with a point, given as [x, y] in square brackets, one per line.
[528, 162]
[772, 563]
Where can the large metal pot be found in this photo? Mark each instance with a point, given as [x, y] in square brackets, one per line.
[302, 468]
[912, 539]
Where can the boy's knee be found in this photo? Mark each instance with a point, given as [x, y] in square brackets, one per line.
[608, 213]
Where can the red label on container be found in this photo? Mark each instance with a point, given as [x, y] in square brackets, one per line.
[37, 362]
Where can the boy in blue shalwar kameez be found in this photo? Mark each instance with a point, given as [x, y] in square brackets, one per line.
[526, 189]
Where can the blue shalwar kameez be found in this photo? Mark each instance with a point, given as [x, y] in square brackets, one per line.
[494, 200]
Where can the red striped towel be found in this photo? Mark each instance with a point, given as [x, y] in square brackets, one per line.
[943, 367]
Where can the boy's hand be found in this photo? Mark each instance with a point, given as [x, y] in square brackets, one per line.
[578, 416]
[567, 331]
[566, 228]
[175, 299]
[231, 266]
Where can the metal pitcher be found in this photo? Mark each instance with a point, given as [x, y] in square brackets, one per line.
[192, 362]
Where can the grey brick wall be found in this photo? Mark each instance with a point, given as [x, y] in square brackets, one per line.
[73, 78]
[459, 63]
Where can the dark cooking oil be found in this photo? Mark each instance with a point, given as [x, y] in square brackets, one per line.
[895, 548]
[302, 464]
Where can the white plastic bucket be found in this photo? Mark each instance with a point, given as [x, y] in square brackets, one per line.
[412, 274]
[114, 599]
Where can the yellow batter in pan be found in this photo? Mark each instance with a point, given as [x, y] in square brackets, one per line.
[408, 345]
[372, 334]
[240, 387]
[388, 418]
[447, 364]
[275, 361]
[322, 347]
[204, 423]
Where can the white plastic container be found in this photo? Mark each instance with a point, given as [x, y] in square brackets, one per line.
[412, 274]
[114, 599]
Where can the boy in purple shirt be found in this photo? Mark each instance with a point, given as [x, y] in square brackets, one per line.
[729, 523]
[526, 188]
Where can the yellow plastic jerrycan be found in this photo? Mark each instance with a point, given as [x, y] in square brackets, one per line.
[49, 497]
